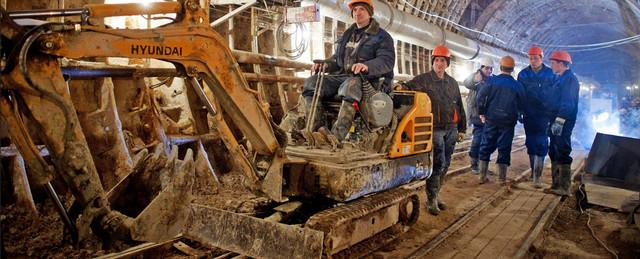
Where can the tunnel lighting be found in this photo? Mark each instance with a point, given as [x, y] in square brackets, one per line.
[635, 87]
[628, 87]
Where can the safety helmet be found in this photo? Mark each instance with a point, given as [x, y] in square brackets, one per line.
[507, 62]
[561, 55]
[441, 51]
[535, 50]
[486, 62]
[369, 2]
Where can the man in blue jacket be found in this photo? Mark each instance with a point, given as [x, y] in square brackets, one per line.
[537, 80]
[474, 83]
[563, 103]
[499, 104]
[364, 48]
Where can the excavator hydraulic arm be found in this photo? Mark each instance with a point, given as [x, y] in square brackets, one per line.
[33, 86]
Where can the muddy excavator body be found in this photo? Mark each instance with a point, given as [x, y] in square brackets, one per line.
[348, 195]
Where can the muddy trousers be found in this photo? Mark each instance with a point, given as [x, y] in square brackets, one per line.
[444, 141]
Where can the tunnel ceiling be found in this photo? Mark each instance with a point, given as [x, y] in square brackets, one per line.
[550, 23]
[519, 24]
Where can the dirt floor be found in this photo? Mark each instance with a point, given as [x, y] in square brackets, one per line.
[42, 237]
[569, 236]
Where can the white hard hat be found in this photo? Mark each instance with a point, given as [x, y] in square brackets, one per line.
[486, 61]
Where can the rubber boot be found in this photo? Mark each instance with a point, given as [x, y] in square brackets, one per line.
[555, 178]
[344, 120]
[432, 206]
[483, 166]
[565, 176]
[441, 204]
[502, 172]
[433, 186]
[532, 164]
[537, 171]
[475, 169]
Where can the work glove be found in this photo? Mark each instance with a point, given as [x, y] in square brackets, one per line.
[460, 137]
[556, 127]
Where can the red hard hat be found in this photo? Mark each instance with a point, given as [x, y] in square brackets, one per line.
[535, 50]
[508, 62]
[441, 51]
[369, 2]
[561, 55]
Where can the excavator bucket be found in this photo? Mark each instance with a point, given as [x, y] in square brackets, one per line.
[615, 158]
[157, 194]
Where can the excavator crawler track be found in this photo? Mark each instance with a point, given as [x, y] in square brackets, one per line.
[349, 224]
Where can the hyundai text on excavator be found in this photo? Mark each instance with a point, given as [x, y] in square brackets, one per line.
[325, 200]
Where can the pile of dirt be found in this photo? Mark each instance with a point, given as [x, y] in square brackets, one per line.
[26, 236]
[569, 236]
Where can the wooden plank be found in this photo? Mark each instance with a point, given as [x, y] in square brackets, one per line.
[546, 219]
[520, 236]
[459, 223]
[606, 196]
[475, 228]
[480, 241]
[511, 228]
[152, 250]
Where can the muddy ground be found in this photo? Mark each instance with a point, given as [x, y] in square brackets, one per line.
[568, 237]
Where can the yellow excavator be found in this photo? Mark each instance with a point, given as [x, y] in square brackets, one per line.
[350, 194]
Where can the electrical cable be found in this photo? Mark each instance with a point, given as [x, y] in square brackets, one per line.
[593, 233]
[457, 25]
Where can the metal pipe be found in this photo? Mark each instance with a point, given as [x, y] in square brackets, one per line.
[262, 59]
[273, 78]
[232, 13]
[110, 10]
[410, 28]
[46, 13]
[197, 87]
[87, 71]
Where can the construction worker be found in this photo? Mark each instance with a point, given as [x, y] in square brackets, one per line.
[563, 103]
[364, 48]
[474, 82]
[498, 106]
[537, 80]
[449, 120]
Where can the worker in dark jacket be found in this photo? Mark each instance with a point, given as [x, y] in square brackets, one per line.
[537, 80]
[563, 105]
[499, 104]
[364, 48]
[474, 82]
[449, 120]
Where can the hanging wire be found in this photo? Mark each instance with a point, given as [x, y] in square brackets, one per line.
[601, 44]
[459, 26]
[285, 34]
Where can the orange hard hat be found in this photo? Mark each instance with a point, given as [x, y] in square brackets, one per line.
[508, 62]
[369, 2]
[561, 55]
[535, 50]
[441, 51]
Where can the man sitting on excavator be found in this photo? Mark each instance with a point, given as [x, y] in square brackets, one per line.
[364, 52]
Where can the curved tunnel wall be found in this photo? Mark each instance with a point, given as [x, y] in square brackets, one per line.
[409, 28]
